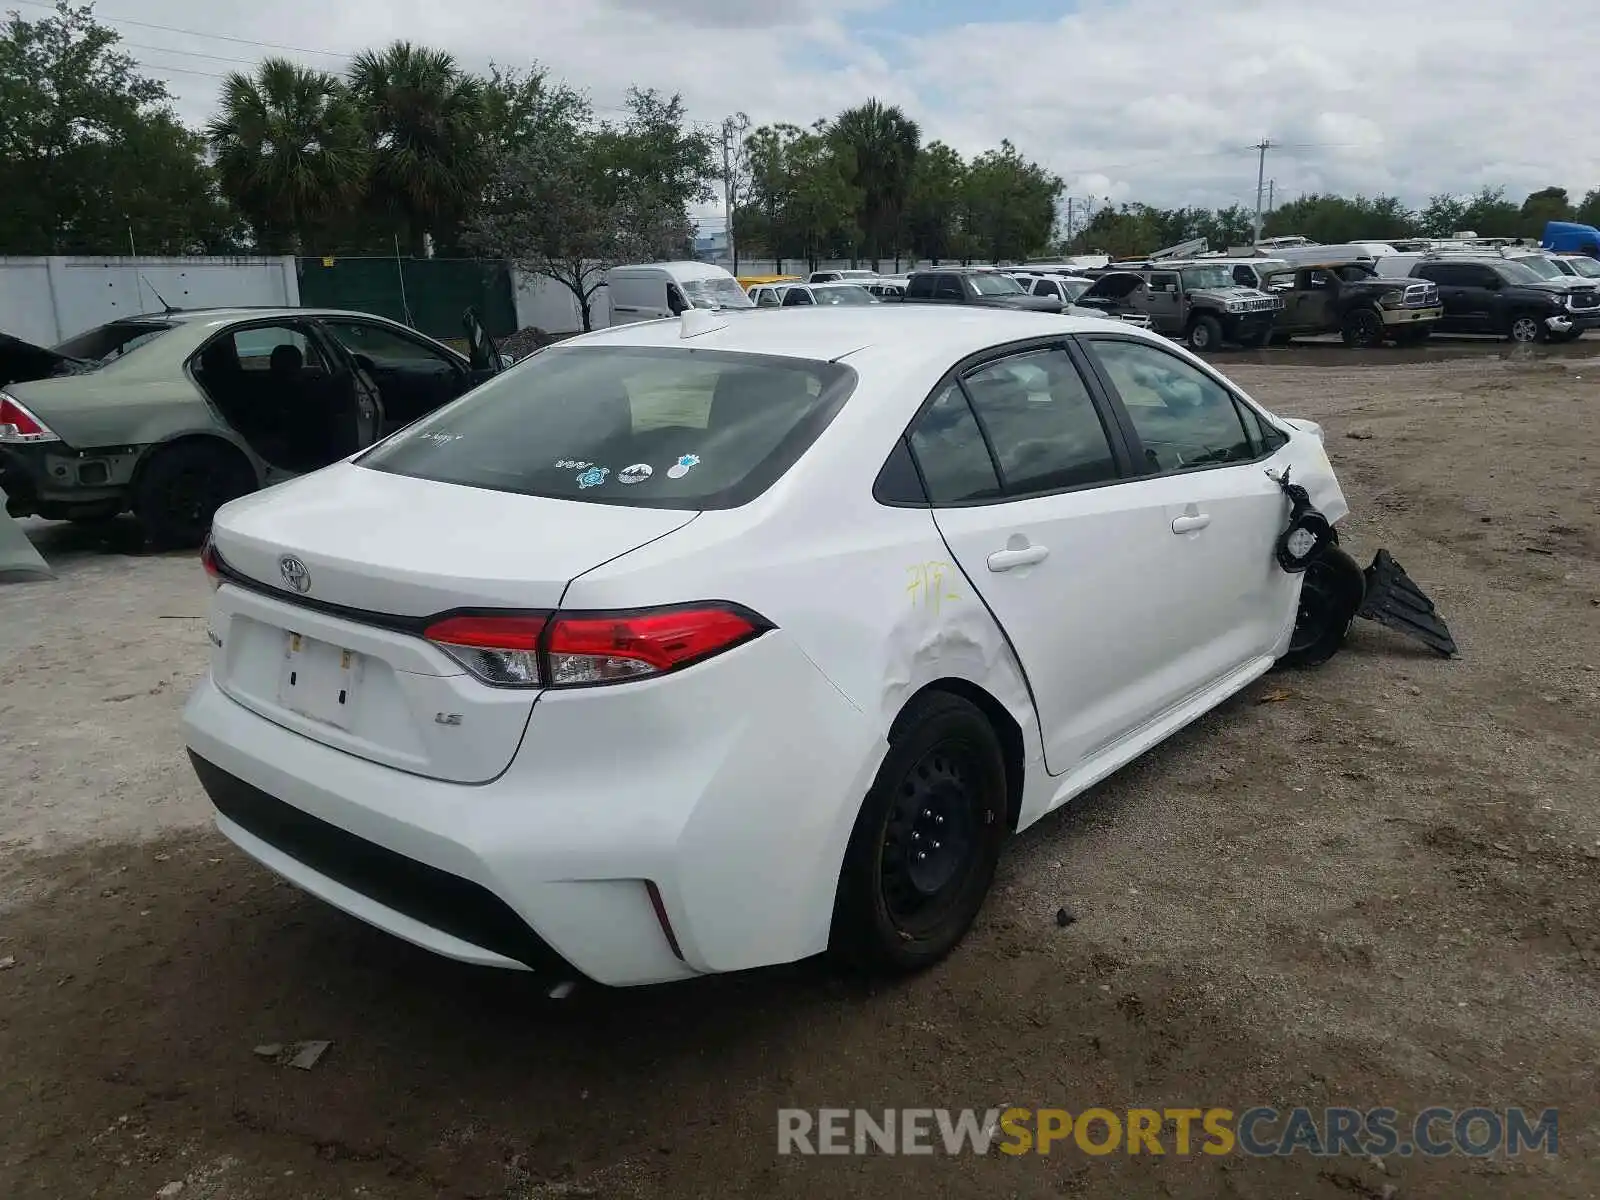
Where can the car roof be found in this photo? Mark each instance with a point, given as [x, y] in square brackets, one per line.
[184, 316]
[830, 333]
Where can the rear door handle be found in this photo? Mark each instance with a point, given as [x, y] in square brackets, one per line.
[1007, 560]
[1188, 524]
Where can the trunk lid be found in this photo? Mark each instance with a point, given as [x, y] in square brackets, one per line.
[329, 581]
[24, 362]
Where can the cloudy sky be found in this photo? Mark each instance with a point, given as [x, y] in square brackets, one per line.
[1128, 99]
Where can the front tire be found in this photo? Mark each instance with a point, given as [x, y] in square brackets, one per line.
[926, 842]
[1330, 596]
[1526, 329]
[1205, 334]
[1362, 329]
[180, 489]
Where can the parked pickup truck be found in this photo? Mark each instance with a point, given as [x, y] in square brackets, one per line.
[1199, 302]
[971, 285]
[1354, 301]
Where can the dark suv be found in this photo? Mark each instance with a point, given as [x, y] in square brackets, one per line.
[1501, 295]
[967, 285]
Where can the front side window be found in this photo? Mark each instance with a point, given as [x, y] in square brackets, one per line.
[1041, 422]
[949, 288]
[767, 298]
[951, 453]
[1183, 417]
[920, 287]
[652, 427]
[384, 346]
[846, 294]
[797, 296]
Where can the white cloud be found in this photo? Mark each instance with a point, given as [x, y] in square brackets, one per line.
[1133, 99]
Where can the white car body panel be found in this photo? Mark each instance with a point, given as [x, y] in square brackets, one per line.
[733, 785]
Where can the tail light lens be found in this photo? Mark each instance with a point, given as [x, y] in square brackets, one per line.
[502, 650]
[583, 649]
[17, 424]
[210, 562]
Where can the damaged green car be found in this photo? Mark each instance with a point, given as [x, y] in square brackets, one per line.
[171, 415]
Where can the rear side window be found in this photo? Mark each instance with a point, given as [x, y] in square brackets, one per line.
[920, 286]
[949, 448]
[652, 427]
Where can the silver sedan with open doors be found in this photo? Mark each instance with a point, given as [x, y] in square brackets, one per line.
[171, 415]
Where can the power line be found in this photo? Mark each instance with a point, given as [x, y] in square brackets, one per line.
[217, 37]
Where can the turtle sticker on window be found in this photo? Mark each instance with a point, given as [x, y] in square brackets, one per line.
[593, 477]
[681, 468]
[637, 473]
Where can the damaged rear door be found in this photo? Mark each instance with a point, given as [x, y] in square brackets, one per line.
[1028, 477]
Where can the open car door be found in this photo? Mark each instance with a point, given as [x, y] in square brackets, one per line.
[483, 355]
[361, 420]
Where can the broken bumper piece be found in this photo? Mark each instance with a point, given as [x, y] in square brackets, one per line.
[1392, 599]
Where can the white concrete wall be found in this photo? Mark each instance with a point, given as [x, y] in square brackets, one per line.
[47, 300]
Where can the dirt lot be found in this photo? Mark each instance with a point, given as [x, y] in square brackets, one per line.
[1376, 883]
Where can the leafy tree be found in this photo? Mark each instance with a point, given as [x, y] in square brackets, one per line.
[570, 202]
[1010, 204]
[1589, 211]
[520, 105]
[1545, 205]
[425, 116]
[934, 203]
[735, 174]
[291, 152]
[91, 155]
[1489, 214]
[1339, 219]
[882, 143]
[801, 197]
[1444, 216]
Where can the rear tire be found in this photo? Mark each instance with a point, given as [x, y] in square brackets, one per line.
[1330, 596]
[180, 489]
[1205, 334]
[926, 842]
[1362, 329]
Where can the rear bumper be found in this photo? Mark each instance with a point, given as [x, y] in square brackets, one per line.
[731, 788]
[50, 480]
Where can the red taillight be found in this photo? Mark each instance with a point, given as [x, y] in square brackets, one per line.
[502, 650]
[576, 649]
[17, 424]
[209, 561]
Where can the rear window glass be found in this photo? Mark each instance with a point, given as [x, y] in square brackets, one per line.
[652, 427]
[107, 343]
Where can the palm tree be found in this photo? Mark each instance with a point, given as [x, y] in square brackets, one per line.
[290, 149]
[885, 143]
[426, 119]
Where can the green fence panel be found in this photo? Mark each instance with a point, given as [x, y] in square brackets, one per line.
[429, 294]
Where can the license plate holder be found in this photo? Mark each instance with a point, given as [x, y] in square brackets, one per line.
[319, 680]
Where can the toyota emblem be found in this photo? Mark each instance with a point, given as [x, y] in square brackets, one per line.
[294, 573]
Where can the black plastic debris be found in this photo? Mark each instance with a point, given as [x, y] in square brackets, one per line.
[1065, 916]
[1392, 599]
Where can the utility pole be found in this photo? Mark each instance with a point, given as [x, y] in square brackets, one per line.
[1263, 146]
[1272, 190]
[1069, 218]
[733, 129]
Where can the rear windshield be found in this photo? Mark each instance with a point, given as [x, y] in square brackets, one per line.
[652, 427]
[106, 343]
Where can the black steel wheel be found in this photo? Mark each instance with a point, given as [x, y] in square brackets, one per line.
[1330, 595]
[1362, 328]
[181, 487]
[924, 848]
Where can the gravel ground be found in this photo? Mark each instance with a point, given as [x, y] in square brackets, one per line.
[1374, 883]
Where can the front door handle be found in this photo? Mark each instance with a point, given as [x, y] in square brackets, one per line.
[1191, 522]
[1007, 560]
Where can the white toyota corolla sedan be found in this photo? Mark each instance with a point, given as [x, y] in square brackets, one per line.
[702, 644]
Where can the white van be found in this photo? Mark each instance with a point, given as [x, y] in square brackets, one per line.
[649, 291]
